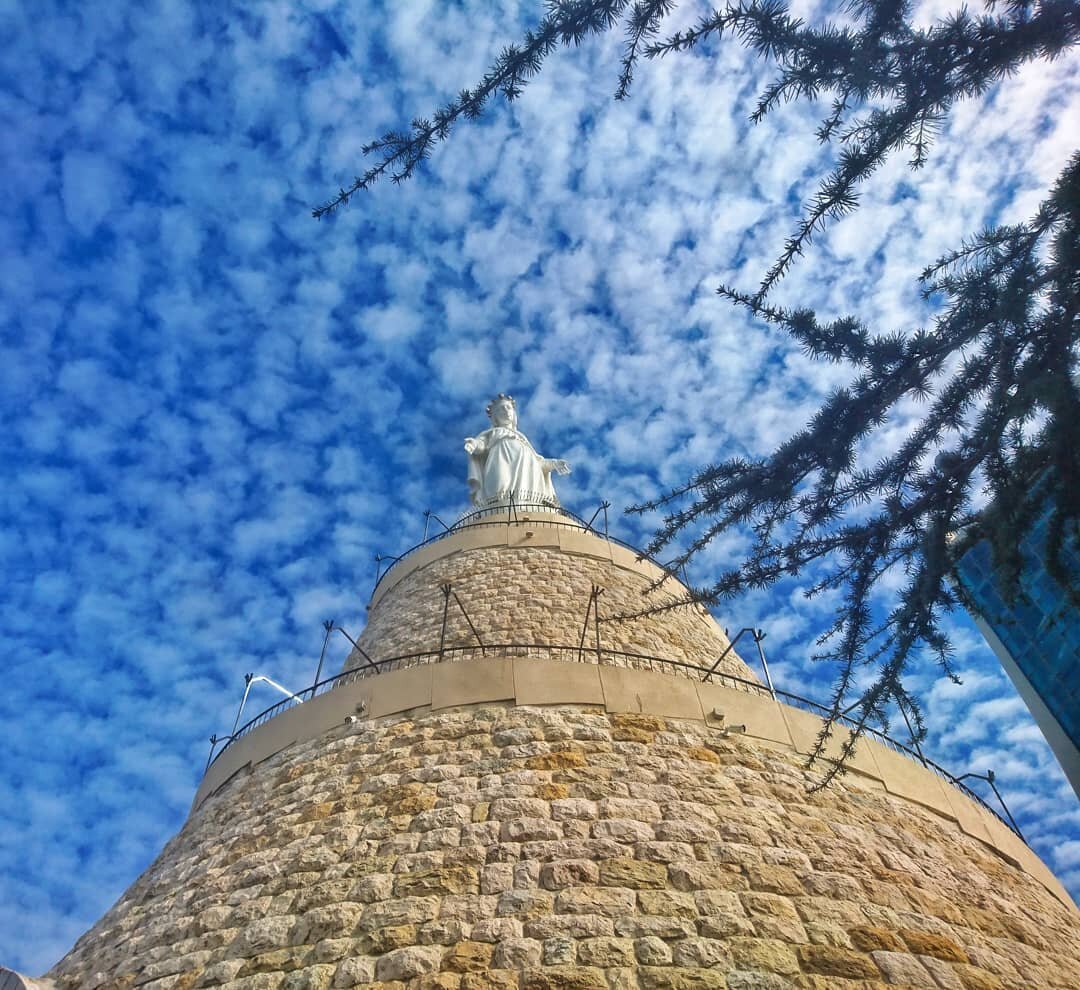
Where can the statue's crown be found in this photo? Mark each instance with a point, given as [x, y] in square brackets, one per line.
[501, 397]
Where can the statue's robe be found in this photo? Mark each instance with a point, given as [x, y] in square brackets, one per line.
[504, 465]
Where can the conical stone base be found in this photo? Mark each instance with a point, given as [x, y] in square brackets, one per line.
[503, 845]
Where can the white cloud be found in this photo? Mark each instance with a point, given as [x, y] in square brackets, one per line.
[92, 185]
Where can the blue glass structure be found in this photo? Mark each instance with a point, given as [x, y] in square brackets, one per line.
[1036, 635]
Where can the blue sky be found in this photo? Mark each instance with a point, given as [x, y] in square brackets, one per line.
[216, 411]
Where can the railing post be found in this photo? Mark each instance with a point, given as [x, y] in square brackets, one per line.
[911, 732]
[359, 649]
[210, 758]
[990, 780]
[597, 592]
[445, 614]
[758, 637]
[585, 625]
[328, 625]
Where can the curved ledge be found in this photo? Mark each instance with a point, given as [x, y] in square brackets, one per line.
[522, 681]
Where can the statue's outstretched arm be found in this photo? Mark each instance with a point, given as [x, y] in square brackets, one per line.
[556, 465]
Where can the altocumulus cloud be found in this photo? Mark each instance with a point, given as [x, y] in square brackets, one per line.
[216, 411]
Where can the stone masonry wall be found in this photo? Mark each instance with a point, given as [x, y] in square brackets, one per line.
[526, 595]
[542, 848]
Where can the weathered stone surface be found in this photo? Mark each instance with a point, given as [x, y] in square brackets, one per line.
[564, 978]
[606, 952]
[418, 854]
[697, 953]
[867, 938]
[610, 901]
[929, 944]
[569, 873]
[631, 873]
[652, 951]
[518, 953]
[468, 957]
[763, 954]
[900, 967]
[651, 978]
[829, 961]
[450, 880]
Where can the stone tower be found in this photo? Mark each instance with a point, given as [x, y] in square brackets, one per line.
[509, 788]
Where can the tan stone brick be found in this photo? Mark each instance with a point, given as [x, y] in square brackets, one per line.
[829, 961]
[468, 957]
[517, 953]
[942, 972]
[652, 951]
[569, 873]
[493, 979]
[867, 938]
[569, 926]
[404, 964]
[769, 904]
[658, 926]
[384, 940]
[278, 961]
[310, 978]
[564, 978]
[701, 953]
[561, 760]
[442, 931]
[705, 876]
[938, 946]
[667, 902]
[632, 873]
[403, 910]
[900, 967]
[436, 981]
[974, 978]
[612, 902]
[524, 903]
[663, 978]
[775, 880]
[606, 952]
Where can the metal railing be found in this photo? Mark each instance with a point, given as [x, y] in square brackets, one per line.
[598, 656]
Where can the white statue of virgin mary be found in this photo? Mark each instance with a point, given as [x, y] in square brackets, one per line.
[503, 464]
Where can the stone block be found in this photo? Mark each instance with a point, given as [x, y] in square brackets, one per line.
[652, 951]
[471, 682]
[611, 902]
[449, 880]
[517, 953]
[468, 957]
[650, 693]
[664, 978]
[569, 873]
[900, 967]
[700, 953]
[671, 903]
[564, 978]
[804, 728]
[554, 682]
[870, 938]
[606, 952]
[406, 963]
[930, 944]
[396, 691]
[843, 963]
[763, 954]
[757, 711]
[632, 873]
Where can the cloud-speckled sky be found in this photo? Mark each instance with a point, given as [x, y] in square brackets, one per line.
[216, 411]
